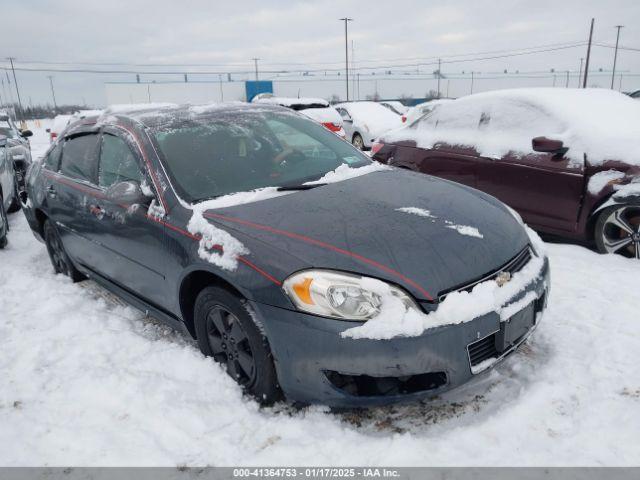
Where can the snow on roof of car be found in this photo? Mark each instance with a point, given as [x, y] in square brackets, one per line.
[601, 123]
[291, 101]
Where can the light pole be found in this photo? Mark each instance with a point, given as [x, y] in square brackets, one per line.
[255, 62]
[586, 65]
[615, 56]
[346, 21]
[15, 81]
[53, 92]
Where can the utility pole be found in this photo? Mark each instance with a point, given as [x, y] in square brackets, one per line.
[255, 62]
[567, 84]
[615, 55]
[346, 21]
[586, 64]
[580, 75]
[53, 92]
[472, 72]
[221, 91]
[15, 81]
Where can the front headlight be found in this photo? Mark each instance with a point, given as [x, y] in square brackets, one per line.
[341, 295]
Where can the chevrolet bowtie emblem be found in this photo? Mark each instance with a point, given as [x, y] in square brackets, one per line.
[503, 278]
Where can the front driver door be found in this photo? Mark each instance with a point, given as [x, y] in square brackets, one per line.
[132, 244]
[545, 188]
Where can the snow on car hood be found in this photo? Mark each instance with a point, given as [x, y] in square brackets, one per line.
[354, 225]
[601, 123]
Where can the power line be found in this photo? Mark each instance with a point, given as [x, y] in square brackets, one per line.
[302, 70]
[247, 64]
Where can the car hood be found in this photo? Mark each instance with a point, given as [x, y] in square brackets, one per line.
[377, 225]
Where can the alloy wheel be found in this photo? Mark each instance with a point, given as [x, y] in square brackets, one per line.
[230, 345]
[621, 232]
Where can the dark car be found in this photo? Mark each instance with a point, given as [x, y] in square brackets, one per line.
[7, 190]
[567, 160]
[306, 270]
[19, 152]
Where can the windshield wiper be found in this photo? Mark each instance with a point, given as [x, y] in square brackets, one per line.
[287, 188]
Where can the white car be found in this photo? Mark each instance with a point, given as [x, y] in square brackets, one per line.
[366, 121]
[395, 106]
[420, 110]
[315, 108]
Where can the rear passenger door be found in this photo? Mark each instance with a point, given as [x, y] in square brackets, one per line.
[69, 193]
[131, 242]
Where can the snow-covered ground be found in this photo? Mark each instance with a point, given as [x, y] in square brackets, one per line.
[86, 380]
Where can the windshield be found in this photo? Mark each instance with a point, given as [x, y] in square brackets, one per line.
[224, 152]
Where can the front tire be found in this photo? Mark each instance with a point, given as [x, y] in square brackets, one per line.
[617, 231]
[226, 331]
[57, 254]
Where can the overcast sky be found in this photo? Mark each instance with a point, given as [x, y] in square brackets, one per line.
[226, 35]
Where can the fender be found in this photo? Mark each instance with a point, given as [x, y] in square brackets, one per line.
[618, 198]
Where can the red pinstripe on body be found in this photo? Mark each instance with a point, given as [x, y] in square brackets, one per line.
[324, 245]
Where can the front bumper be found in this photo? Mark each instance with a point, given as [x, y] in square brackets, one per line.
[310, 354]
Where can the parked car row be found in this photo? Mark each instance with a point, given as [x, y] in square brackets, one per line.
[17, 153]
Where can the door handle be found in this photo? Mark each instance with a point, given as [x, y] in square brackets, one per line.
[97, 211]
[51, 191]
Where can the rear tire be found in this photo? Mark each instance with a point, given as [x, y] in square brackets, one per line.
[226, 331]
[4, 224]
[57, 254]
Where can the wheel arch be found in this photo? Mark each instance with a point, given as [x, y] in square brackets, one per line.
[191, 285]
[602, 204]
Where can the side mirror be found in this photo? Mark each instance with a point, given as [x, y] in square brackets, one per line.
[48, 130]
[548, 145]
[128, 192]
[26, 133]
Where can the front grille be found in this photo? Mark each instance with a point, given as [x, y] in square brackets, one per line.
[514, 265]
[483, 350]
[367, 386]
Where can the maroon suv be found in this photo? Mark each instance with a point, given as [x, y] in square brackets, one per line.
[567, 160]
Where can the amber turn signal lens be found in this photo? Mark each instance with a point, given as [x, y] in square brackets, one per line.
[303, 291]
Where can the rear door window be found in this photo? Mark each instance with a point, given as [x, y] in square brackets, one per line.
[117, 162]
[52, 162]
[79, 157]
